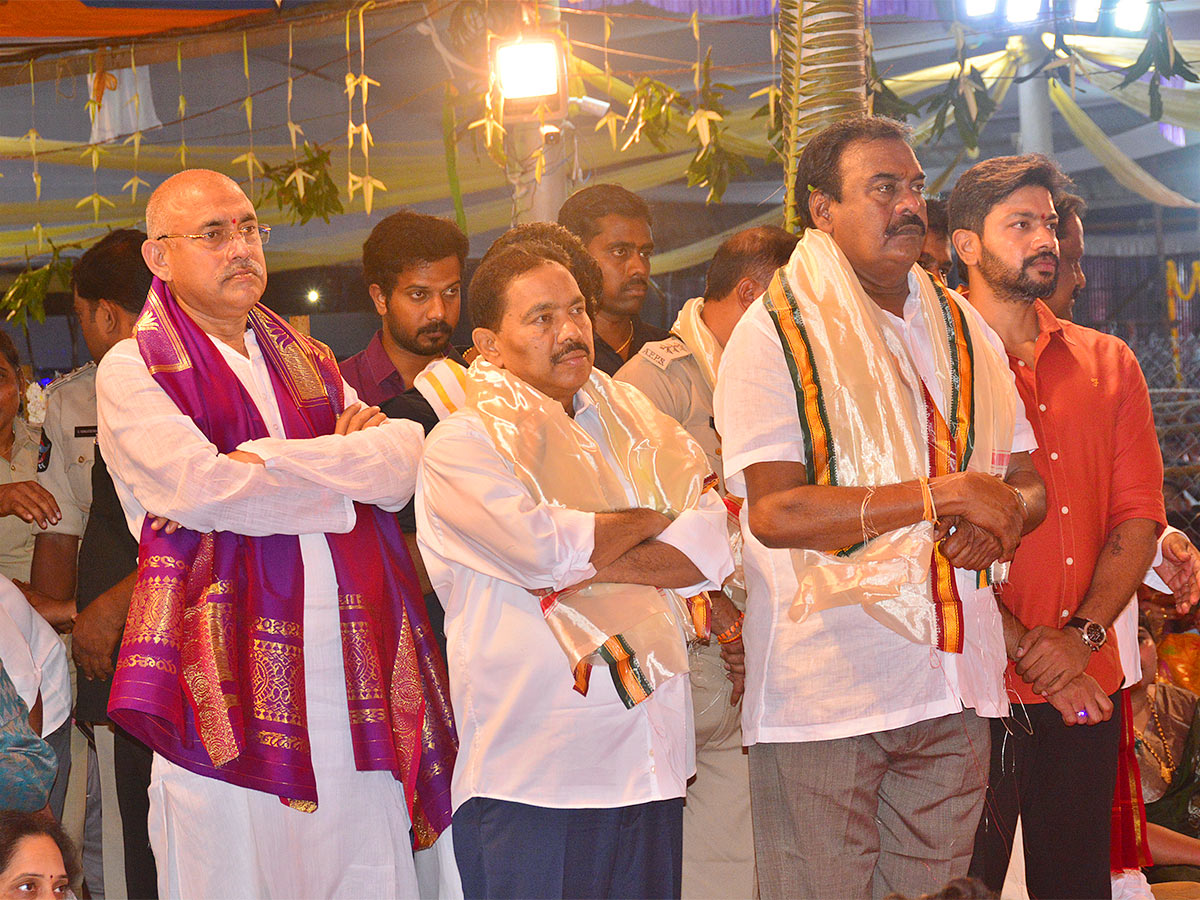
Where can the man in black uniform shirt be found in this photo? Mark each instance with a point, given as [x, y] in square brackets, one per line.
[615, 226]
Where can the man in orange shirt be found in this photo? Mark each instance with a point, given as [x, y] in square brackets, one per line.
[1085, 395]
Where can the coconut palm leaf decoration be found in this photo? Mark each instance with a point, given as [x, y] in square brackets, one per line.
[822, 55]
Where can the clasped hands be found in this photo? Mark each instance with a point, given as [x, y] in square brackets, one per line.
[980, 520]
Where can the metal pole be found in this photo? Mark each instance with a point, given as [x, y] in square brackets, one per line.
[537, 200]
[1036, 135]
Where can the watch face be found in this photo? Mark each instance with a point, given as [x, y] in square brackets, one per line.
[1095, 634]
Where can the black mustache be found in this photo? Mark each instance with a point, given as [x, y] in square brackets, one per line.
[570, 348]
[1039, 257]
[435, 328]
[905, 223]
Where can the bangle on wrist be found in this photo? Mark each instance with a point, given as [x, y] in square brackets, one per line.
[1024, 505]
[733, 632]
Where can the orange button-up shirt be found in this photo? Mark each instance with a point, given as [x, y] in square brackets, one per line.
[1098, 454]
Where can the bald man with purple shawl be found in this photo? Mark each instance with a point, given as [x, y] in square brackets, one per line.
[277, 656]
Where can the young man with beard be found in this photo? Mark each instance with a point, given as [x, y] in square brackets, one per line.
[614, 225]
[556, 498]
[1087, 400]
[412, 264]
[874, 649]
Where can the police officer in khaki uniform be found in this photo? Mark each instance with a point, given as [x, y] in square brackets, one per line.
[65, 466]
[678, 374]
[88, 563]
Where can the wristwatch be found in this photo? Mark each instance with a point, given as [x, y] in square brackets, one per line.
[1093, 633]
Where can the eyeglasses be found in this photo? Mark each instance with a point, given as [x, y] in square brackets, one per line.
[217, 238]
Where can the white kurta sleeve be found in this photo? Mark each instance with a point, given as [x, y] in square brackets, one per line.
[702, 536]
[377, 465]
[473, 510]
[173, 470]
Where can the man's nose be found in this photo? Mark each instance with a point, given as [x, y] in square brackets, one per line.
[569, 331]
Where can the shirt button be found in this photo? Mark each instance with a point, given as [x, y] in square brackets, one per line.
[1065, 614]
[1065, 510]
[1054, 456]
[1021, 363]
[653, 769]
[1042, 407]
[81, 459]
[1070, 561]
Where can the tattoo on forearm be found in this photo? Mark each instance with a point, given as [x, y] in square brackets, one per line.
[1114, 544]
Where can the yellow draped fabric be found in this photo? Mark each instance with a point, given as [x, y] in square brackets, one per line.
[560, 463]
[864, 390]
[1180, 106]
[1127, 172]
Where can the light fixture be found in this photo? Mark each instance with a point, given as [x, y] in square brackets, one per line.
[313, 296]
[1020, 11]
[1130, 15]
[530, 77]
[975, 8]
[527, 68]
[1087, 11]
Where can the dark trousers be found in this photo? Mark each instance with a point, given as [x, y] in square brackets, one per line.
[132, 761]
[511, 850]
[1060, 779]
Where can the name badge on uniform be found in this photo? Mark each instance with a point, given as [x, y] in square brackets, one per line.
[44, 448]
[86, 431]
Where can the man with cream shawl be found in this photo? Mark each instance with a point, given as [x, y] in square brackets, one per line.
[569, 528]
[869, 417]
[277, 656]
[678, 375]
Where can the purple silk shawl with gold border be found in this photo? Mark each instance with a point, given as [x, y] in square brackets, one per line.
[211, 670]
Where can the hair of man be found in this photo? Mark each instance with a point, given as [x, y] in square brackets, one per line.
[583, 266]
[937, 216]
[485, 297]
[15, 826]
[819, 168]
[583, 210]
[113, 269]
[1069, 204]
[752, 252]
[992, 181]
[405, 239]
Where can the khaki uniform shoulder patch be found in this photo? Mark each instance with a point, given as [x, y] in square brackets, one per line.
[663, 353]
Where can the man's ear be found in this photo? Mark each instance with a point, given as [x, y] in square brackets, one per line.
[155, 255]
[968, 245]
[748, 290]
[105, 316]
[486, 343]
[819, 205]
[379, 298]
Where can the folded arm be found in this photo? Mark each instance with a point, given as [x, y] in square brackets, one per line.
[173, 470]
[375, 465]
[472, 509]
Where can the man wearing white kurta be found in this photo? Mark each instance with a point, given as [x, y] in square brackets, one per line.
[212, 838]
[557, 791]
[867, 747]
